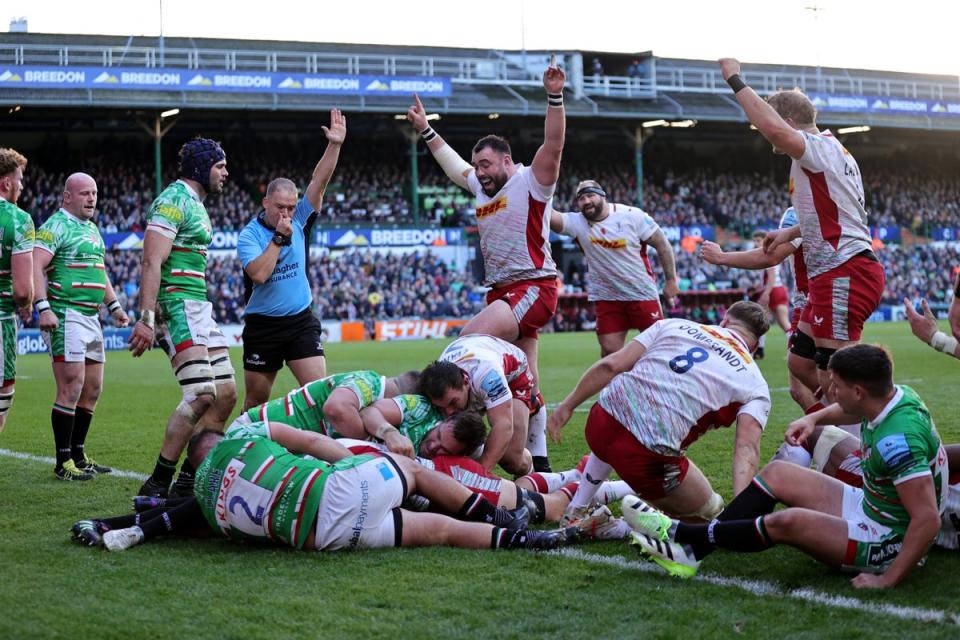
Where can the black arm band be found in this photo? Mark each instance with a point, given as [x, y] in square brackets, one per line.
[428, 134]
[736, 82]
[555, 99]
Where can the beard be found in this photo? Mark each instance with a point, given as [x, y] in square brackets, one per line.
[496, 183]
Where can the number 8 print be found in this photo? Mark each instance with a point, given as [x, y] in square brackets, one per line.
[685, 362]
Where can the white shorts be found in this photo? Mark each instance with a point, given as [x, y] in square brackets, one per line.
[360, 507]
[871, 546]
[78, 338]
[242, 420]
[182, 324]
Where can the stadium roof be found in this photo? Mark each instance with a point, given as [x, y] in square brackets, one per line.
[261, 75]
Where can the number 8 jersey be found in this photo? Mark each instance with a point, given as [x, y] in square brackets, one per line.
[692, 378]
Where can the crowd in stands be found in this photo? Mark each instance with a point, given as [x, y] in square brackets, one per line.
[372, 185]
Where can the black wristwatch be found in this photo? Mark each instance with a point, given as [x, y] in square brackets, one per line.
[280, 240]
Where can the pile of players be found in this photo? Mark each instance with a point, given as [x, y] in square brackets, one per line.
[658, 394]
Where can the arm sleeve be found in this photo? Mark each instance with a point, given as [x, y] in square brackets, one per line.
[496, 387]
[303, 211]
[648, 337]
[758, 407]
[249, 246]
[902, 453]
[47, 238]
[570, 226]
[541, 192]
[819, 152]
[646, 226]
[165, 218]
[23, 234]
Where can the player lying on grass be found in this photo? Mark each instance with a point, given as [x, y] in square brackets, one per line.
[331, 405]
[254, 482]
[881, 531]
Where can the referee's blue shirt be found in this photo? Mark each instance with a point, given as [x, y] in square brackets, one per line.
[287, 291]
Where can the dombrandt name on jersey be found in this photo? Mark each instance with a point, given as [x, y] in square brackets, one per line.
[726, 353]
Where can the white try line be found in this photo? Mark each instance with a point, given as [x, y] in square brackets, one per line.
[767, 589]
[116, 473]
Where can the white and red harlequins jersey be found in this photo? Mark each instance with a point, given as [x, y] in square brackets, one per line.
[492, 364]
[827, 192]
[616, 253]
[514, 229]
[691, 379]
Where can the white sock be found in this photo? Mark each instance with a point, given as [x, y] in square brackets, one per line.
[537, 433]
[594, 474]
[553, 481]
[793, 454]
[613, 491]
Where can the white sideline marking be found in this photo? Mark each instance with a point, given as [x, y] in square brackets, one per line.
[117, 473]
[759, 588]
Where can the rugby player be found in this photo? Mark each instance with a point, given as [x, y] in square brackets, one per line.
[620, 280]
[173, 299]
[278, 323]
[252, 484]
[801, 368]
[881, 531]
[68, 267]
[16, 270]
[658, 395]
[488, 375]
[332, 405]
[845, 278]
[512, 204]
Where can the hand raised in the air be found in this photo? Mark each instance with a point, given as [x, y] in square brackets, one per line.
[417, 115]
[711, 252]
[554, 79]
[337, 131]
[729, 67]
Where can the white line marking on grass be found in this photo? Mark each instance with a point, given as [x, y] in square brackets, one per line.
[903, 381]
[759, 588]
[116, 473]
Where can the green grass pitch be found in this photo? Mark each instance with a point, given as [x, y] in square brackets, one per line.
[52, 588]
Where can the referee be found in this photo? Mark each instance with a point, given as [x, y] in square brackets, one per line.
[279, 324]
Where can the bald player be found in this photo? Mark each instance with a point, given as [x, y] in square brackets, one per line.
[16, 269]
[69, 270]
[614, 240]
[512, 204]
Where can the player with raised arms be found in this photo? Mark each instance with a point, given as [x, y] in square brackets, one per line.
[512, 217]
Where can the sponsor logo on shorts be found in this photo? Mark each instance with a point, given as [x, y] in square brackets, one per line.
[361, 515]
[255, 359]
[882, 552]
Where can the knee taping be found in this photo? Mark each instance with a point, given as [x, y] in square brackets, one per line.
[830, 436]
[708, 511]
[6, 401]
[196, 379]
[222, 369]
[185, 411]
[822, 357]
[802, 345]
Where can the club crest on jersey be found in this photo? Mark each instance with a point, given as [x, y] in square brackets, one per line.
[492, 208]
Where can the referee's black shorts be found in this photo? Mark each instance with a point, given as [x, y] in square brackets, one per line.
[269, 341]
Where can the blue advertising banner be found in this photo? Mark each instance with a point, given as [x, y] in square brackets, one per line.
[886, 234]
[945, 234]
[170, 79]
[408, 237]
[29, 340]
[884, 104]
